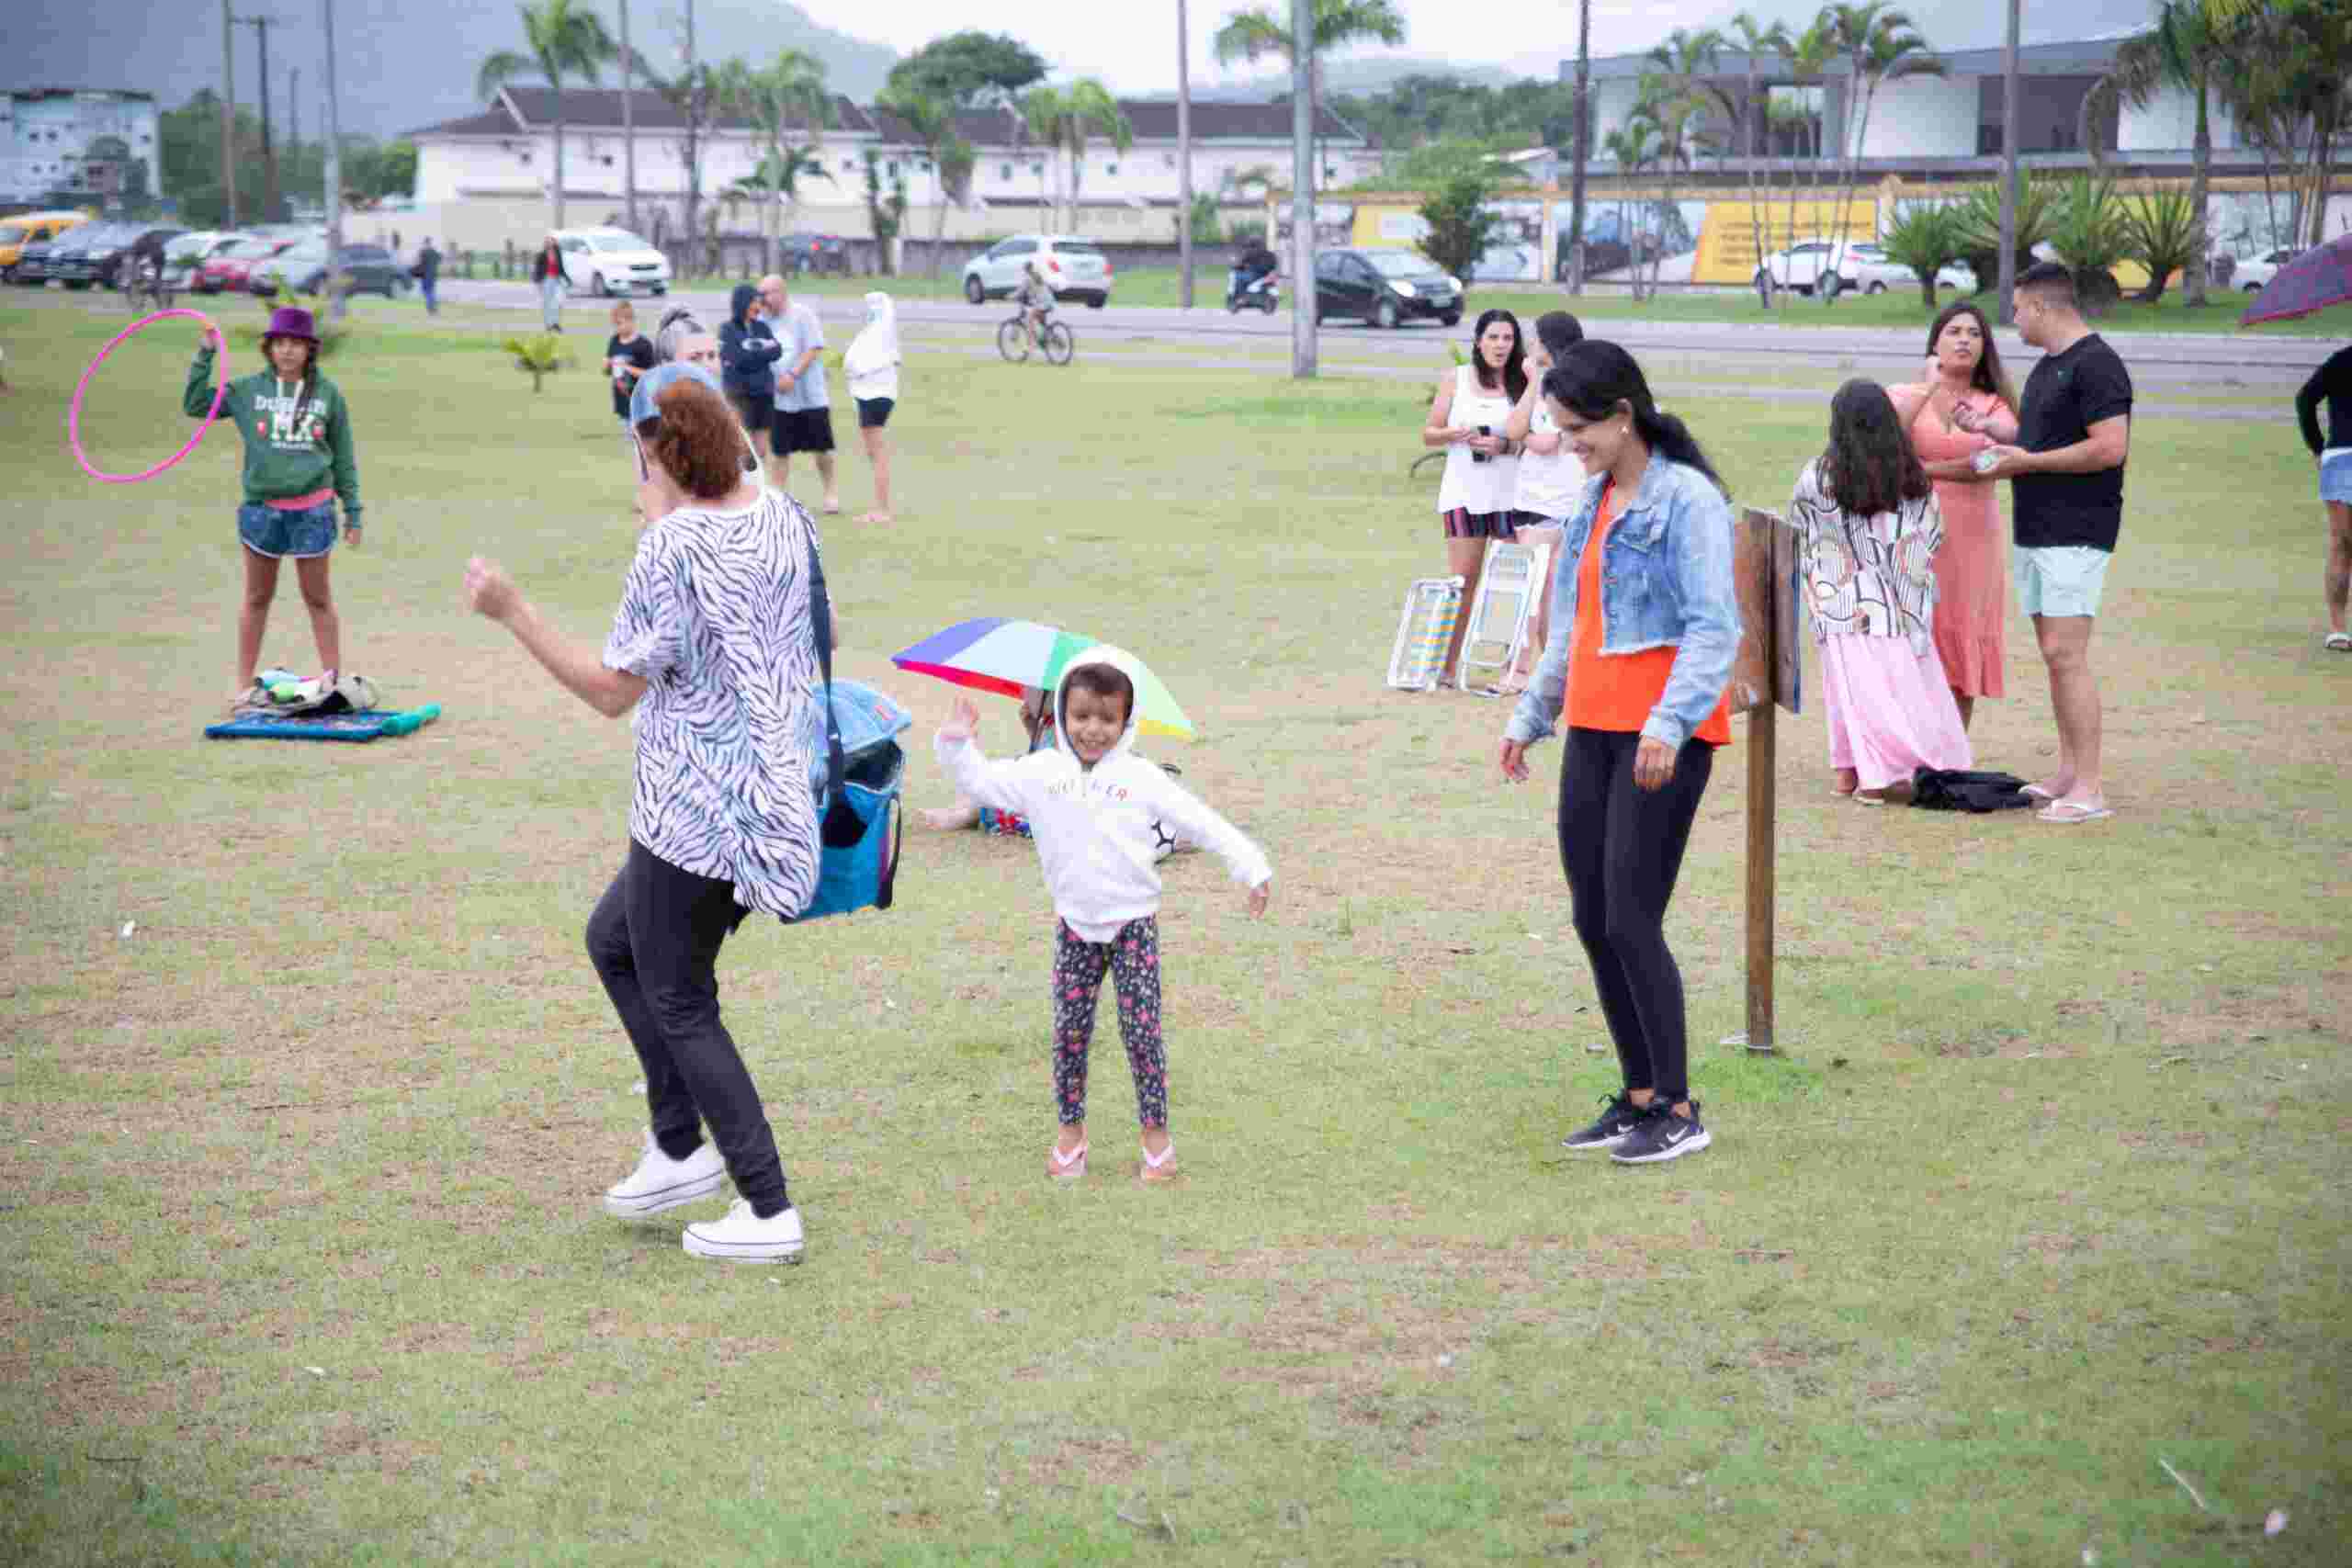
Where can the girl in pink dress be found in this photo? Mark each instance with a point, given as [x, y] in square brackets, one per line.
[1867, 532]
[1964, 405]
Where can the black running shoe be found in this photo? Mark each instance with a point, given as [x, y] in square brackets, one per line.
[1662, 1136]
[1619, 1116]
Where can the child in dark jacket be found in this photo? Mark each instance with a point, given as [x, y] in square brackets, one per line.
[748, 351]
[298, 462]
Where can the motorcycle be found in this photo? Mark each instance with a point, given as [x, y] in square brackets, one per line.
[1263, 292]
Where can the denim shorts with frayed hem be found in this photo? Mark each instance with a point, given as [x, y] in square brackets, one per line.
[268, 531]
[2059, 580]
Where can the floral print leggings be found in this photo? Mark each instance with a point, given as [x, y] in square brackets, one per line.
[1133, 958]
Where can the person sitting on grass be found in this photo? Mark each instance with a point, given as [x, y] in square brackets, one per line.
[298, 462]
[1098, 812]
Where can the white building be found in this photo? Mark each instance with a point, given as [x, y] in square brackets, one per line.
[484, 180]
[76, 146]
[1948, 125]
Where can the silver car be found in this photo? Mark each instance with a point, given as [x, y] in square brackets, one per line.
[1073, 268]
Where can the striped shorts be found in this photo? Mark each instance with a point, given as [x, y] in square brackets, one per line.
[1464, 524]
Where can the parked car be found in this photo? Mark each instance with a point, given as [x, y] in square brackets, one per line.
[98, 249]
[231, 268]
[1861, 265]
[613, 261]
[815, 252]
[302, 269]
[1073, 268]
[32, 228]
[185, 255]
[1385, 286]
[2253, 274]
[31, 270]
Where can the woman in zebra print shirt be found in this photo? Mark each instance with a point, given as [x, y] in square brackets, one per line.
[713, 634]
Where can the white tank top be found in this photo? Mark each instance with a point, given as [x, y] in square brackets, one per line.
[1478, 488]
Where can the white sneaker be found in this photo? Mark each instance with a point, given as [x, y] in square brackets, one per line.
[743, 1238]
[660, 1182]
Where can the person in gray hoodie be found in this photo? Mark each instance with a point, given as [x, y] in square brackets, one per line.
[748, 351]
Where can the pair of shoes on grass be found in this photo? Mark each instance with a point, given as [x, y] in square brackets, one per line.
[1070, 1165]
[660, 1182]
[1641, 1135]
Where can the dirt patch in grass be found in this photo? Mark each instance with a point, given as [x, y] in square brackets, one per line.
[1091, 1461]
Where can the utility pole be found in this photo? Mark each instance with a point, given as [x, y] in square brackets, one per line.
[1184, 156]
[294, 128]
[628, 128]
[334, 177]
[2009, 172]
[1583, 141]
[229, 111]
[1302, 190]
[261, 26]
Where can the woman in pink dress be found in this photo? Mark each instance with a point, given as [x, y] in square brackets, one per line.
[1867, 532]
[1964, 405]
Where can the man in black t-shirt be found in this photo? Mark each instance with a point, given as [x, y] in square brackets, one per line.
[2073, 433]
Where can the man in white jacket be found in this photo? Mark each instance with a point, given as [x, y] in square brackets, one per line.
[1101, 815]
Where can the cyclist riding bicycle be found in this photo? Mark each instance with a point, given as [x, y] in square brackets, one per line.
[1036, 298]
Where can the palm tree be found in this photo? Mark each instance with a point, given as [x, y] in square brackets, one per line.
[1809, 54]
[790, 92]
[1681, 103]
[1634, 146]
[930, 120]
[2180, 52]
[1091, 110]
[566, 39]
[1879, 44]
[1756, 40]
[1041, 111]
[1257, 32]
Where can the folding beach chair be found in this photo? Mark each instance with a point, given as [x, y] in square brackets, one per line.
[1431, 607]
[1509, 588]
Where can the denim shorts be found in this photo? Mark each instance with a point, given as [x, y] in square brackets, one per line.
[267, 530]
[2059, 580]
[2335, 474]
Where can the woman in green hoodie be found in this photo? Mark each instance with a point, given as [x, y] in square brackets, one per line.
[297, 431]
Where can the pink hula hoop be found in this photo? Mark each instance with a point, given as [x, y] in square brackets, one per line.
[73, 414]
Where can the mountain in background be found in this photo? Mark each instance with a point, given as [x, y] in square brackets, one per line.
[402, 63]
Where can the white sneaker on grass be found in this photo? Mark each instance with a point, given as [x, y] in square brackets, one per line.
[743, 1238]
[660, 1182]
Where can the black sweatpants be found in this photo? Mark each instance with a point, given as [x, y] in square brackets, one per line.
[655, 938]
[1622, 847]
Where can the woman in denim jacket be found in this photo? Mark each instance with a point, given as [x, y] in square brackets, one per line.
[1644, 631]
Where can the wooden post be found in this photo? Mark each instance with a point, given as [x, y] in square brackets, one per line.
[1766, 676]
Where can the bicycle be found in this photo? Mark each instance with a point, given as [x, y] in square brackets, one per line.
[1013, 340]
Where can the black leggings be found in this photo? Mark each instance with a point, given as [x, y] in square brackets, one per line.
[1622, 847]
[655, 938]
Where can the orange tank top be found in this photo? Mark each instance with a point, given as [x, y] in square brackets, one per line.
[1618, 692]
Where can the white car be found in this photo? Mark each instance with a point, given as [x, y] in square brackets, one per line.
[2253, 272]
[1073, 267]
[611, 261]
[1861, 265]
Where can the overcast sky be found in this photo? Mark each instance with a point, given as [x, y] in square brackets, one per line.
[1530, 36]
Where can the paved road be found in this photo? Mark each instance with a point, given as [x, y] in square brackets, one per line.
[1723, 356]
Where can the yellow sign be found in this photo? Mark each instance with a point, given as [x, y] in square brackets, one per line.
[1727, 238]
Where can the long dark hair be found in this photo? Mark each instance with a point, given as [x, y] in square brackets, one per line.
[1869, 466]
[1515, 368]
[1990, 377]
[1594, 377]
[1555, 330]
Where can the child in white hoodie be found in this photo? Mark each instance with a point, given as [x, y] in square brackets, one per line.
[1099, 814]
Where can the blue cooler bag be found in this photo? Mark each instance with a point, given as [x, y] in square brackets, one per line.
[861, 823]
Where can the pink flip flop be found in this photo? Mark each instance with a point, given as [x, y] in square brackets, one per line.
[1066, 1168]
[2066, 813]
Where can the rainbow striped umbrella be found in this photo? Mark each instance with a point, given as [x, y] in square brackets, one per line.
[992, 654]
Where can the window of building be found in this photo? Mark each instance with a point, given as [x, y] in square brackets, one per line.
[1004, 171]
[1111, 169]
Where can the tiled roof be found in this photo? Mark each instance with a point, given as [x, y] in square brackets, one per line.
[1153, 120]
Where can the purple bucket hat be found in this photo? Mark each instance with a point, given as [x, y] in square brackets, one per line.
[290, 321]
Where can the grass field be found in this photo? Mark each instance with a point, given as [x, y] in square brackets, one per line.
[307, 1090]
